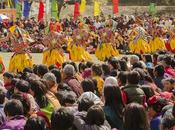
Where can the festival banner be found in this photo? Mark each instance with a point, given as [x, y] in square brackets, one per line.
[54, 9]
[152, 8]
[115, 6]
[10, 4]
[41, 11]
[82, 6]
[18, 7]
[76, 10]
[26, 10]
[96, 8]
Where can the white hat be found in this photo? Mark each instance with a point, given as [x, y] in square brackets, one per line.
[110, 81]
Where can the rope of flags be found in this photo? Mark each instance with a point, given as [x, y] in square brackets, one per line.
[23, 8]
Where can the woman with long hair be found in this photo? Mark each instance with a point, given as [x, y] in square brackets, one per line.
[113, 106]
[135, 118]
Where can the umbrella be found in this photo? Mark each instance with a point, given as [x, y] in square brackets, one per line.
[3, 17]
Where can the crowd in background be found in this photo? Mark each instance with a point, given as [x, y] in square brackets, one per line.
[122, 26]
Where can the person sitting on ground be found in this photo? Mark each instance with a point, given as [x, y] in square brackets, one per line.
[23, 86]
[8, 77]
[169, 71]
[135, 117]
[159, 75]
[52, 89]
[96, 74]
[2, 101]
[62, 119]
[15, 118]
[89, 86]
[155, 106]
[69, 78]
[35, 123]
[113, 66]
[95, 120]
[168, 84]
[23, 98]
[106, 71]
[113, 105]
[168, 123]
[57, 74]
[42, 70]
[132, 91]
[122, 78]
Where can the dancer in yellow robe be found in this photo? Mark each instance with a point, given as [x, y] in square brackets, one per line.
[107, 48]
[172, 42]
[138, 42]
[54, 54]
[20, 59]
[76, 47]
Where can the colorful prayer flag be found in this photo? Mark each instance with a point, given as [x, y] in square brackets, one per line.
[97, 8]
[152, 8]
[76, 10]
[18, 7]
[41, 11]
[115, 6]
[54, 9]
[26, 10]
[82, 6]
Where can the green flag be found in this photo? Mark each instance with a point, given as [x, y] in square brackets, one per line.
[152, 9]
[54, 9]
[18, 9]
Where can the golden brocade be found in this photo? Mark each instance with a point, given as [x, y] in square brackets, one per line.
[78, 53]
[19, 61]
[106, 50]
[53, 57]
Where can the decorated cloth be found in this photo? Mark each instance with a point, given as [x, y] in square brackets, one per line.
[20, 41]
[54, 54]
[2, 66]
[53, 57]
[19, 61]
[106, 50]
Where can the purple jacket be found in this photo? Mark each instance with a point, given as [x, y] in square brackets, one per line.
[16, 123]
[74, 85]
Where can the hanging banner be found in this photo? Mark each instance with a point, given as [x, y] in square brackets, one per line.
[82, 6]
[152, 9]
[97, 8]
[76, 10]
[115, 6]
[54, 9]
[18, 7]
[26, 10]
[41, 11]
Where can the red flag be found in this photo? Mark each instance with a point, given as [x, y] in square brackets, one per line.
[76, 10]
[115, 6]
[41, 11]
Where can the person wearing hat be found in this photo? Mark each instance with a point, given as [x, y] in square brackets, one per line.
[54, 54]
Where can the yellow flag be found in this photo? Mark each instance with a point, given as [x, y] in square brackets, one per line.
[82, 6]
[8, 3]
[96, 8]
[12, 29]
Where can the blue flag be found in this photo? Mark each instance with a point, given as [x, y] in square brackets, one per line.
[26, 10]
[15, 2]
